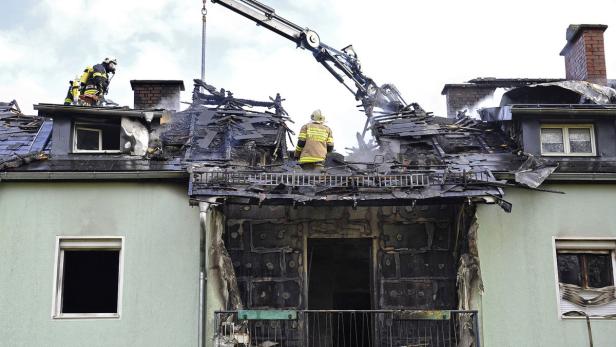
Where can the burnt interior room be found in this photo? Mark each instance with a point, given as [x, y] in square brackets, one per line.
[339, 274]
[339, 279]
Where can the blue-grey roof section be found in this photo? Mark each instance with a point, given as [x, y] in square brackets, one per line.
[20, 134]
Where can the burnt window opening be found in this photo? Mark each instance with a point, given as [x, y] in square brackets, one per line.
[586, 270]
[97, 137]
[88, 278]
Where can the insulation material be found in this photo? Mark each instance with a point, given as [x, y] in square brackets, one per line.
[220, 267]
[135, 136]
[592, 302]
[469, 282]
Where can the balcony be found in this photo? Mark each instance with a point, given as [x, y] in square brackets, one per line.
[345, 328]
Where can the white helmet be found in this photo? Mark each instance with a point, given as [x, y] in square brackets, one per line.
[317, 116]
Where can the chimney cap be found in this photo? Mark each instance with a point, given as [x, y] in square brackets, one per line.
[575, 30]
[178, 83]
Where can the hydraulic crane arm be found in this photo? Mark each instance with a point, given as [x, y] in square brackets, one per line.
[265, 16]
[342, 64]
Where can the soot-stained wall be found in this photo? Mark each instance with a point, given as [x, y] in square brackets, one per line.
[413, 264]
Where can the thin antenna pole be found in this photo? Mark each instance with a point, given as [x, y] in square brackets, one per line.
[204, 15]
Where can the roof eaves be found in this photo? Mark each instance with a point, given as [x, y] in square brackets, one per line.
[50, 110]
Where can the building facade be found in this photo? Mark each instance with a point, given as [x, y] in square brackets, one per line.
[154, 228]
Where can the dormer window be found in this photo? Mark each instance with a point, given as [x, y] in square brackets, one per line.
[568, 140]
[79, 130]
[96, 137]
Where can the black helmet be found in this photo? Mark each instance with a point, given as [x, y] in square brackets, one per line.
[110, 64]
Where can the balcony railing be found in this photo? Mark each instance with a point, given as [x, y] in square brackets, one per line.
[344, 328]
[223, 178]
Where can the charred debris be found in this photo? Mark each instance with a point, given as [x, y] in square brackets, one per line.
[237, 152]
[235, 149]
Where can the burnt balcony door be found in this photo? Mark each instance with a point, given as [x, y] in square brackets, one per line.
[339, 273]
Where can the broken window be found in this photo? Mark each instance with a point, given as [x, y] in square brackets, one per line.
[97, 137]
[585, 271]
[88, 277]
[567, 140]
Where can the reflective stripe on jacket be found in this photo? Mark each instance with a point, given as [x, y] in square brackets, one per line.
[96, 80]
[317, 138]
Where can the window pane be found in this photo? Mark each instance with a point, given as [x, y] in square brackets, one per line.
[599, 270]
[579, 140]
[569, 269]
[90, 281]
[552, 140]
[87, 139]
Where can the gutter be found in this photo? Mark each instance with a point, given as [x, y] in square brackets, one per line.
[573, 176]
[569, 176]
[562, 111]
[89, 175]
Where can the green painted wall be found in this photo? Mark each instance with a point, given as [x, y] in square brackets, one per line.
[519, 307]
[161, 262]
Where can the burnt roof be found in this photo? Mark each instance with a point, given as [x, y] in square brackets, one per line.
[418, 157]
[236, 148]
[234, 125]
[563, 92]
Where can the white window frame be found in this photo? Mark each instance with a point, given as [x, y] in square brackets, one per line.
[580, 244]
[566, 146]
[115, 243]
[80, 126]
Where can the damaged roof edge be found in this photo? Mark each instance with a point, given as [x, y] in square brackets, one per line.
[564, 109]
[489, 83]
[53, 109]
[505, 113]
[289, 200]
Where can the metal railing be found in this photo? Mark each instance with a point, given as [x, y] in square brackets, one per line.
[464, 177]
[221, 178]
[346, 328]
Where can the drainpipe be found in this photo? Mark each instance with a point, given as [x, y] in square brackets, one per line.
[201, 304]
[203, 207]
[212, 225]
[203, 217]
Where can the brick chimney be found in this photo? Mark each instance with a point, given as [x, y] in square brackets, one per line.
[163, 94]
[464, 96]
[584, 53]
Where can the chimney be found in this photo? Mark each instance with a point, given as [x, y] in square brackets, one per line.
[163, 94]
[584, 53]
[464, 96]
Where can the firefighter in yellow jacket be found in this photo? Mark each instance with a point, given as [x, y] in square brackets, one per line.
[93, 84]
[315, 140]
